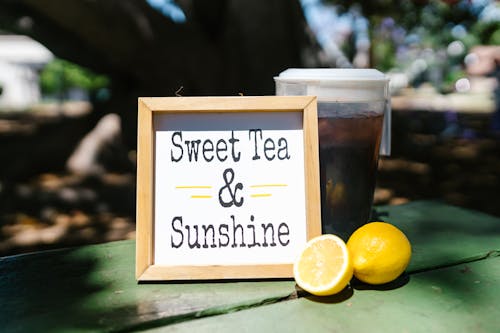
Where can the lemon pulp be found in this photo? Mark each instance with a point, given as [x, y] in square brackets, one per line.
[324, 266]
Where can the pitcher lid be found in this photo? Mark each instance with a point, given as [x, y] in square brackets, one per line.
[331, 74]
[334, 84]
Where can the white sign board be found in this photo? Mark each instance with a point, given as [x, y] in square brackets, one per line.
[231, 186]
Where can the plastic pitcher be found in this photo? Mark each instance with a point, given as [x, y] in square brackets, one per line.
[353, 120]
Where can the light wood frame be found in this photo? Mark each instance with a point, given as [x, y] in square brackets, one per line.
[146, 270]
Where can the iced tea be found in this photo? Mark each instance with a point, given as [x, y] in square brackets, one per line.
[349, 146]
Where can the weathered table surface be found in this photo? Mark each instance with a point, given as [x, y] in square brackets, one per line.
[452, 285]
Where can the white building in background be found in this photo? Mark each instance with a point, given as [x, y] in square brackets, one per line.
[21, 59]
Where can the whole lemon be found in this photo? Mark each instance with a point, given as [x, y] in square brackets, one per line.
[380, 252]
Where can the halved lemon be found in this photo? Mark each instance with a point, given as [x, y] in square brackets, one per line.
[324, 266]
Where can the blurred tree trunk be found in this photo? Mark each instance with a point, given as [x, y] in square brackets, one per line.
[225, 47]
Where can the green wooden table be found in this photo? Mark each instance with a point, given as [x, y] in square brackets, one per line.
[452, 285]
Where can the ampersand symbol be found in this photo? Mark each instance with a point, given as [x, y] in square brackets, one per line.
[228, 180]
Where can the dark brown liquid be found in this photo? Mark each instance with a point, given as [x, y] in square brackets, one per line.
[348, 164]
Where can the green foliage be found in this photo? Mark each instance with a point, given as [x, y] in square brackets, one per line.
[452, 74]
[425, 39]
[59, 76]
[432, 14]
[495, 38]
[487, 32]
[383, 54]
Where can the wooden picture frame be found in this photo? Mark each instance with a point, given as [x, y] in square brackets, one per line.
[150, 108]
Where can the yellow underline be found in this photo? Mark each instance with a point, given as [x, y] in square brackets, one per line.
[194, 186]
[201, 197]
[259, 195]
[268, 185]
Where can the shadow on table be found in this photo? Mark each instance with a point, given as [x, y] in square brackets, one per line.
[348, 291]
[55, 291]
[345, 294]
[398, 283]
[93, 289]
[41, 291]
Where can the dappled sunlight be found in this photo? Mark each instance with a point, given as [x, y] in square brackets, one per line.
[55, 210]
[44, 206]
[71, 76]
